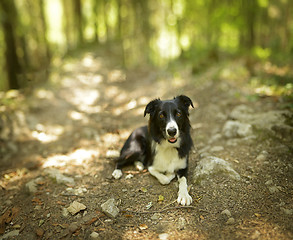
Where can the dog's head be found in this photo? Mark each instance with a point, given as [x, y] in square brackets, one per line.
[169, 119]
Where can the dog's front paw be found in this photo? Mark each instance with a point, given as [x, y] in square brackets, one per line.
[163, 179]
[117, 173]
[184, 198]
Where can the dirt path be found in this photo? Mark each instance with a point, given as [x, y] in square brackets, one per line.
[241, 172]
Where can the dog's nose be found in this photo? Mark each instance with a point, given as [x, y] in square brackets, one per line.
[172, 131]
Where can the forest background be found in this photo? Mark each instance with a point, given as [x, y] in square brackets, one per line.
[37, 35]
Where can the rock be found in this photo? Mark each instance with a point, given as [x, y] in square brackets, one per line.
[234, 129]
[76, 207]
[255, 235]
[230, 221]
[59, 177]
[129, 176]
[181, 223]
[112, 154]
[226, 212]
[110, 208]
[217, 149]
[65, 212]
[212, 165]
[241, 112]
[272, 121]
[11, 234]
[31, 186]
[262, 156]
[287, 211]
[274, 189]
[156, 216]
[94, 235]
[163, 236]
[73, 227]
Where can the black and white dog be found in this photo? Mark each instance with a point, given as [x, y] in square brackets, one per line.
[163, 146]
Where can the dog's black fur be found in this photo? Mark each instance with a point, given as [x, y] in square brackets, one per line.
[164, 145]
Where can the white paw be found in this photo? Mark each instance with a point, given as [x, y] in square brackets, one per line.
[139, 166]
[163, 179]
[184, 198]
[117, 173]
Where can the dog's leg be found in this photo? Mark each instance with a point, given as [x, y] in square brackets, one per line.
[163, 179]
[183, 196]
[139, 165]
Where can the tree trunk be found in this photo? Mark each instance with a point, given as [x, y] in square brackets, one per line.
[12, 61]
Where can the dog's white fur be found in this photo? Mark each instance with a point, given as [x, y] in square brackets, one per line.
[167, 161]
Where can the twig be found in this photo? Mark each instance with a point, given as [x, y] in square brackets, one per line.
[170, 204]
[72, 195]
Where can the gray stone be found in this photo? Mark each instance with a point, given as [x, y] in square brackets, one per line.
[210, 165]
[217, 149]
[11, 234]
[94, 235]
[156, 216]
[181, 223]
[59, 177]
[31, 186]
[287, 211]
[110, 208]
[234, 129]
[76, 207]
[230, 221]
[226, 212]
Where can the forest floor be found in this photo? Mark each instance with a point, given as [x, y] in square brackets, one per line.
[59, 140]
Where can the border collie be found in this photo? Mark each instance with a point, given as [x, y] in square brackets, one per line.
[163, 146]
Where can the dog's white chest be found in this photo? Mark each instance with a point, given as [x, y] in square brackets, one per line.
[166, 158]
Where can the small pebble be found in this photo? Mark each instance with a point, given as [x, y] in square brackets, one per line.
[230, 221]
[94, 235]
[226, 212]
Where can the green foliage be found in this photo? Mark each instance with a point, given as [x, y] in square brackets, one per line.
[200, 32]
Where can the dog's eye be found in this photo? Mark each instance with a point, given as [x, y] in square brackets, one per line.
[161, 116]
[178, 114]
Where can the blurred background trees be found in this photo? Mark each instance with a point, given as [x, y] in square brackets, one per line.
[153, 32]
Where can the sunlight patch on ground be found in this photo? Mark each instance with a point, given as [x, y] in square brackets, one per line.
[44, 94]
[116, 76]
[46, 134]
[92, 80]
[110, 139]
[77, 157]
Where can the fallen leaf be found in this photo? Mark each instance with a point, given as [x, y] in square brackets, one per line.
[94, 219]
[8, 216]
[161, 198]
[143, 189]
[128, 215]
[40, 232]
[201, 217]
[61, 203]
[37, 201]
[257, 215]
[143, 227]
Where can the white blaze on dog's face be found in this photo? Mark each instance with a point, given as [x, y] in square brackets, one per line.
[172, 130]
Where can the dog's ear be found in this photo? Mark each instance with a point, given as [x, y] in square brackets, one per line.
[151, 107]
[186, 101]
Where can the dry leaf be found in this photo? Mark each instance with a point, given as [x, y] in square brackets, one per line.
[201, 217]
[257, 215]
[143, 227]
[143, 189]
[161, 198]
